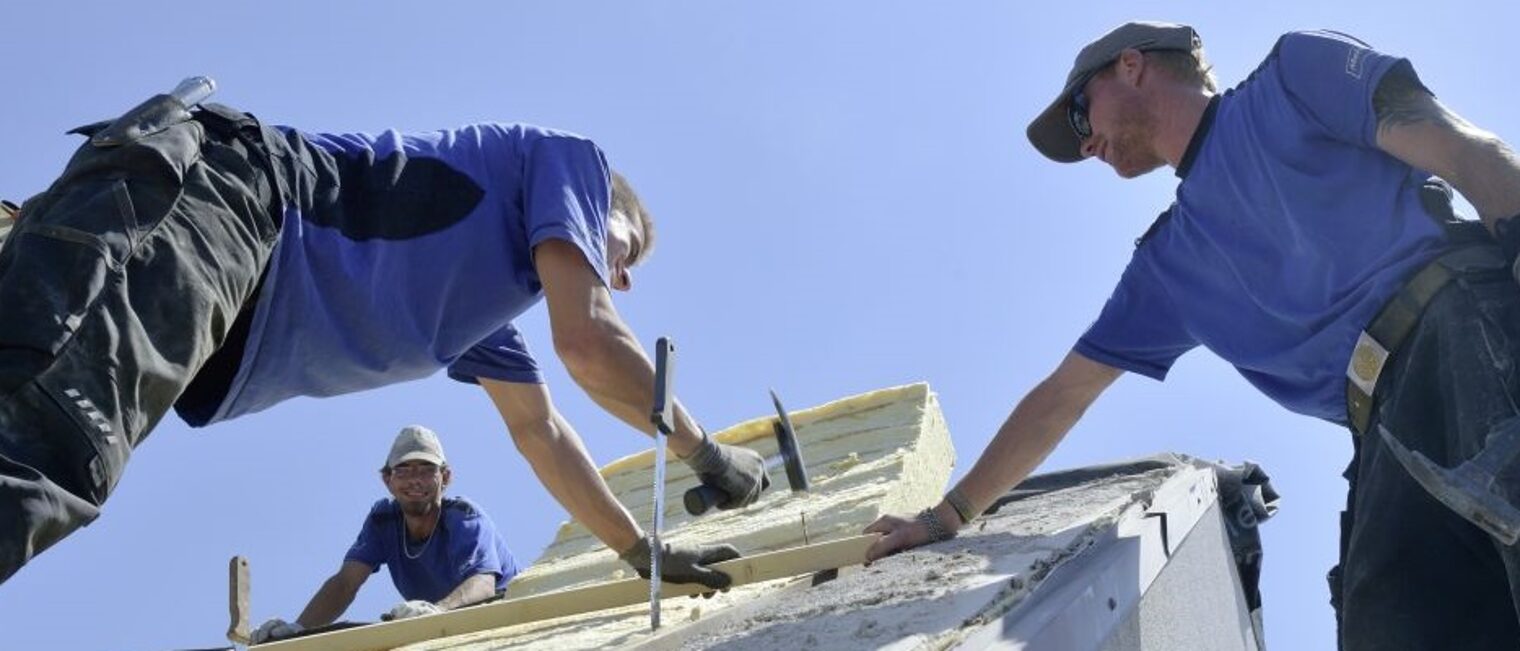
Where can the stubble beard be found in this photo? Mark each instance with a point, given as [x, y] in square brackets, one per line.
[1131, 153]
[418, 508]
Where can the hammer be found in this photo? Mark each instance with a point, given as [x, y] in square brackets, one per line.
[1475, 489]
[703, 498]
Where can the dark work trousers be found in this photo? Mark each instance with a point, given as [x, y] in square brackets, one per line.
[1413, 573]
[117, 284]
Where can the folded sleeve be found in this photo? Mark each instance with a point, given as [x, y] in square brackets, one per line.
[1139, 329]
[567, 195]
[1332, 78]
[502, 356]
[370, 548]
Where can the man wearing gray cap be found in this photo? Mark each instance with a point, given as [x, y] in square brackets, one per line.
[442, 552]
[1308, 246]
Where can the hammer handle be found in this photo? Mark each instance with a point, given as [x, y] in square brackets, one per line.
[702, 499]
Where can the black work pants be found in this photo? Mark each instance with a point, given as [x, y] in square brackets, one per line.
[116, 286]
[1413, 573]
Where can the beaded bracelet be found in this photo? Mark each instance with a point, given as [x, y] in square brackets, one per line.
[937, 530]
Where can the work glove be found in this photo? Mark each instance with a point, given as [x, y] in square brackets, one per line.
[738, 472]
[275, 629]
[413, 608]
[684, 563]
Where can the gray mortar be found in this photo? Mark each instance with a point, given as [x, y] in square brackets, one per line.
[900, 601]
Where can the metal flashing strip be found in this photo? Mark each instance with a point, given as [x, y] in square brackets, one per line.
[1083, 601]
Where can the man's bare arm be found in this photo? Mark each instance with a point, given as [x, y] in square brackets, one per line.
[1034, 428]
[335, 595]
[1416, 128]
[559, 459]
[473, 590]
[598, 349]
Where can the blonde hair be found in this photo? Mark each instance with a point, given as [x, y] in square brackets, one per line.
[1188, 66]
[626, 201]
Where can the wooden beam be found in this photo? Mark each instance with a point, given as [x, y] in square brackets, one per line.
[574, 601]
[238, 630]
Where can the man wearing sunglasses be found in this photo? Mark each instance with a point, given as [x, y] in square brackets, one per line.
[1307, 247]
[194, 258]
[442, 552]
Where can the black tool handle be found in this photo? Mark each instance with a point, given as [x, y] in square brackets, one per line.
[664, 417]
[702, 499]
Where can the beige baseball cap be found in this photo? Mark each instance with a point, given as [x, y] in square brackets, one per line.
[415, 443]
[1051, 132]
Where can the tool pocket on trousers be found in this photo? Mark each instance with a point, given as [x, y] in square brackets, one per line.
[59, 261]
[155, 137]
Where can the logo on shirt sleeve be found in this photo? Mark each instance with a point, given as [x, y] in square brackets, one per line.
[1354, 61]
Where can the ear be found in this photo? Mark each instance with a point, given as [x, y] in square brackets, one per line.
[448, 476]
[1130, 64]
[385, 479]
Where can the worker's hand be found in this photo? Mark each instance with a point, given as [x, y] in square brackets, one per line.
[899, 533]
[738, 472]
[413, 608]
[684, 563]
[275, 629]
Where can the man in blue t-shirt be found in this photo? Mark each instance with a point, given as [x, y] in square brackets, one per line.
[191, 257]
[1304, 208]
[442, 552]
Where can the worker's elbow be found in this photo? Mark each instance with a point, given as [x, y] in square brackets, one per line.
[583, 349]
[345, 586]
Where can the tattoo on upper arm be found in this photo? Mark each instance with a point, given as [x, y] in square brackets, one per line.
[1400, 100]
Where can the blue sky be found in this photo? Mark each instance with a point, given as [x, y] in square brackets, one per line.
[846, 201]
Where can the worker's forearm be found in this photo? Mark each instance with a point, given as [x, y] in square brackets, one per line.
[1029, 434]
[612, 368]
[1488, 175]
[330, 601]
[566, 470]
[473, 590]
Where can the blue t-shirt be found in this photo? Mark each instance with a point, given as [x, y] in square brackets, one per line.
[464, 544]
[1289, 231]
[413, 253]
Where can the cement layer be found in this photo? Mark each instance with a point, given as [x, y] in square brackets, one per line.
[880, 452]
[926, 598]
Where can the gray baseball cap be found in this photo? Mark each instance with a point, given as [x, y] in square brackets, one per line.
[415, 443]
[1051, 132]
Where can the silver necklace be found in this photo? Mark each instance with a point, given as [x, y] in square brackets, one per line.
[406, 546]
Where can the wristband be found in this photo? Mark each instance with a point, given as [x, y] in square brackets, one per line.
[962, 506]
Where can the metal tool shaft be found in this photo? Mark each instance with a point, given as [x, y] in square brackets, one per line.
[663, 418]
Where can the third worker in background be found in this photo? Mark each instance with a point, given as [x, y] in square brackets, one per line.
[442, 552]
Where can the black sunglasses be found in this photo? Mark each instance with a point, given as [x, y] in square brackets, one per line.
[1076, 113]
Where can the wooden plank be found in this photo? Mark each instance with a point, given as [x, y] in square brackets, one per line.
[574, 601]
[239, 630]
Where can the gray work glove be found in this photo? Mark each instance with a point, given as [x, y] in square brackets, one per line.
[684, 563]
[275, 629]
[413, 608]
[738, 472]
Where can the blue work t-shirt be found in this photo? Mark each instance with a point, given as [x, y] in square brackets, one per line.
[465, 543]
[413, 253]
[1289, 231]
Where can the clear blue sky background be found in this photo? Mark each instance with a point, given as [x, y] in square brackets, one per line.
[846, 201]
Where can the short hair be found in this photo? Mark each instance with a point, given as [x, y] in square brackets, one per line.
[1187, 66]
[626, 201]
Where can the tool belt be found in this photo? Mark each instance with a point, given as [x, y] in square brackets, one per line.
[1377, 344]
